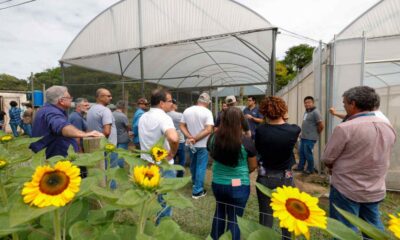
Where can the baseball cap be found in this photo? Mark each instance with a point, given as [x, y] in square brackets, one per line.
[204, 97]
[230, 99]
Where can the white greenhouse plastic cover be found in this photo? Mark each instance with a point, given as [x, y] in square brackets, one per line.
[185, 43]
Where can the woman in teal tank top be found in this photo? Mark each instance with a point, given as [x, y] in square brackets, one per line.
[234, 158]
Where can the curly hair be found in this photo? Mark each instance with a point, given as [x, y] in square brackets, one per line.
[273, 107]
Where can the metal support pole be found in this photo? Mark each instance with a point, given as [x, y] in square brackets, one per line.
[320, 102]
[142, 71]
[273, 62]
[32, 89]
[364, 41]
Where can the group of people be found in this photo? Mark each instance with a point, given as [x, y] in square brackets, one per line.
[240, 142]
[19, 117]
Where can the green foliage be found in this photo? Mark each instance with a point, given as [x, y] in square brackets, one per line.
[340, 231]
[248, 228]
[8, 82]
[297, 57]
[365, 227]
[49, 77]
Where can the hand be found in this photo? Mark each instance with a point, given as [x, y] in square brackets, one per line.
[248, 116]
[191, 140]
[94, 134]
[332, 111]
[130, 134]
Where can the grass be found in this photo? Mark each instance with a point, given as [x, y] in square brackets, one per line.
[198, 220]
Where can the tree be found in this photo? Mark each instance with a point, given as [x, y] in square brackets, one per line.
[9, 82]
[49, 77]
[297, 57]
[283, 77]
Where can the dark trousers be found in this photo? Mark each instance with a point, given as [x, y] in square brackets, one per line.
[180, 158]
[231, 202]
[272, 180]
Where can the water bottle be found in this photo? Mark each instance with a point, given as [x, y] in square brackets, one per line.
[191, 147]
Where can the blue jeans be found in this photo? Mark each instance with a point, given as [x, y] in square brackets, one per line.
[27, 129]
[306, 154]
[123, 145]
[369, 212]
[115, 162]
[14, 128]
[166, 210]
[198, 167]
[231, 202]
[272, 180]
[181, 158]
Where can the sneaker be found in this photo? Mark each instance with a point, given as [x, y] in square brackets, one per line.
[297, 170]
[199, 195]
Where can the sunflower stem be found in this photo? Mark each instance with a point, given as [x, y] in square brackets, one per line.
[4, 197]
[57, 225]
[293, 236]
[108, 171]
[142, 220]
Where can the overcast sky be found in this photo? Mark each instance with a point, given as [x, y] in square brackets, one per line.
[34, 36]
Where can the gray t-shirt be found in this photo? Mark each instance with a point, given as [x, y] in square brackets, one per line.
[98, 116]
[176, 118]
[310, 122]
[121, 123]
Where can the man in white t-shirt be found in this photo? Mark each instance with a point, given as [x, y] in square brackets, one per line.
[155, 123]
[152, 126]
[196, 124]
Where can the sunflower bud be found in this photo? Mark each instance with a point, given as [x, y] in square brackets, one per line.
[109, 147]
[3, 163]
[6, 138]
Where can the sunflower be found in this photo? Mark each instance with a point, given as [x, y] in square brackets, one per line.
[3, 163]
[297, 210]
[158, 153]
[52, 186]
[110, 147]
[6, 138]
[147, 177]
[394, 225]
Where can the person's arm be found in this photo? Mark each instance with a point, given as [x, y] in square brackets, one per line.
[334, 147]
[204, 133]
[320, 127]
[72, 132]
[252, 162]
[107, 130]
[173, 140]
[185, 131]
[336, 114]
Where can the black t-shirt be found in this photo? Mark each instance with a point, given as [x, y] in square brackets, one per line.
[275, 144]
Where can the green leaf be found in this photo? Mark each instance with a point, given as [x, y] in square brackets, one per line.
[264, 189]
[39, 158]
[247, 227]
[83, 231]
[365, 227]
[174, 199]
[100, 191]
[21, 213]
[132, 198]
[89, 159]
[260, 234]
[340, 231]
[170, 230]
[76, 211]
[40, 234]
[5, 228]
[97, 216]
[86, 185]
[171, 184]
[226, 236]
[172, 167]
[55, 159]
[22, 173]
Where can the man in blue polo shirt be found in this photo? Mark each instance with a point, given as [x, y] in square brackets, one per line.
[253, 116]
[51, 123]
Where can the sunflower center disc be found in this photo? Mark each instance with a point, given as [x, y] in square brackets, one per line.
[53, 183]
[159, 153]
[149, 175]
[297, 208]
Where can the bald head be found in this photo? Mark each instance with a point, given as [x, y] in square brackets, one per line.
[103, 96]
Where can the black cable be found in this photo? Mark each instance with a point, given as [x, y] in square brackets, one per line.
[17, 4]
